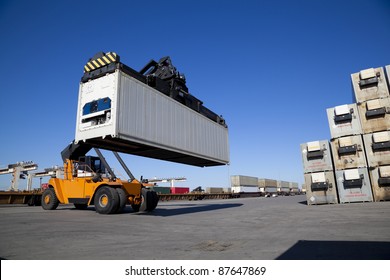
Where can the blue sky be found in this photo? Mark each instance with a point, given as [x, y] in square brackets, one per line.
[271, 68]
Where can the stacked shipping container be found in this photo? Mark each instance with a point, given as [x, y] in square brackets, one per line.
[320, 183]
[371, 92]
[360, 143]
[349, 160]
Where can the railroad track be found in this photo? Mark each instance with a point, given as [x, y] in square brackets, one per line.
[34, 197]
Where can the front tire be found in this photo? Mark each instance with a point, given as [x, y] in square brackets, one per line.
[49, 200]
[149, 200]
[106, 200]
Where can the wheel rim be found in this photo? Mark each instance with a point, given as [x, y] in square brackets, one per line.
[103, 201]
[47, 199]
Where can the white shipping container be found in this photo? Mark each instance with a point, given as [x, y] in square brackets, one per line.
[377, 147]
[369, 84]
[316, 156]
[134, 118]
[353, 185]
[375, 115]
[320, 188]
[244, 189]
[270, 190]
[348, 152]
[239, 180]
[380, 180]
[344, 120]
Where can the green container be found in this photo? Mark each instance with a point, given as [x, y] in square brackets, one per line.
[162, 190]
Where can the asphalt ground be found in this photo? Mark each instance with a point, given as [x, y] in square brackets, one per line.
[232, 229]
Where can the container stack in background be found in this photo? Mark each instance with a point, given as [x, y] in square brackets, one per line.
[283, 187]
[349, 160]
[371, 93]
[359, 146]
[267, 186]
[318, 172]
[243, 184]
[293, 188]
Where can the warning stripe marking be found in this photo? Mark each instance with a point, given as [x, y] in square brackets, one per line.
[94, 64]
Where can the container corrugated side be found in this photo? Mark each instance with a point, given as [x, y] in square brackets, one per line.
[262, 183]
[162, 190]
[240, 180]
[214, 190]
[245, 189]
[147, 123]
[270, 190]
[180, 190]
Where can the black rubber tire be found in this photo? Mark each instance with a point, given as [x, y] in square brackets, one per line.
[154, 201]
[31, 201]
[122, 200]
[106, 200]
[144, 204]
[149, 200]
[49, 200]
[80, 206]
[136, 207]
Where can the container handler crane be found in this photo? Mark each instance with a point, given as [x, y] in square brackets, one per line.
[124, 110]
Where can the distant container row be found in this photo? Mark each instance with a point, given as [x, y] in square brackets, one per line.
[184, 190]
[249, 184]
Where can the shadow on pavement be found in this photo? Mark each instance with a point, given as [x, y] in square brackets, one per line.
[189, 210]
[337, 250]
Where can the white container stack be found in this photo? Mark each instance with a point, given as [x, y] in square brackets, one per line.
[360, 143]
[371, 88]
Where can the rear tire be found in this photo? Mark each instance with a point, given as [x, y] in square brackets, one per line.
[106, 200]
[122, 200]
[49, 200]
[154, 201]
[149, 200]
[144, 204]
[136, 207]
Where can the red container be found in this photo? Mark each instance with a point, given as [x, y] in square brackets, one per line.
[179, 190]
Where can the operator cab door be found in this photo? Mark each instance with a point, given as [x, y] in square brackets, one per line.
[82, 187]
